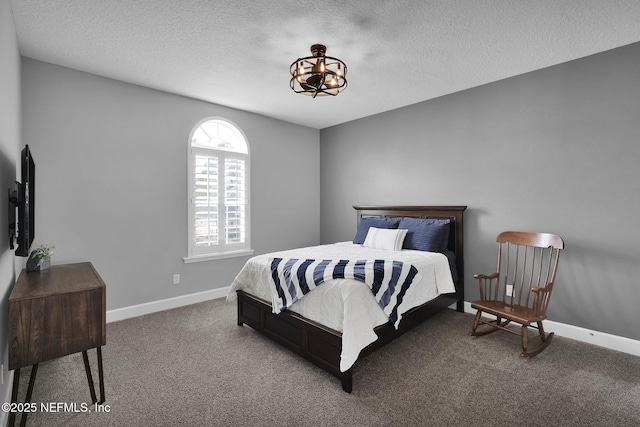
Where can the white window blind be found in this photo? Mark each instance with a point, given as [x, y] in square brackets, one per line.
[206, 200]
[219, 191]
[235, 200]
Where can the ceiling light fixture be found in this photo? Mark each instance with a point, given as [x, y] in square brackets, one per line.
[318, 75]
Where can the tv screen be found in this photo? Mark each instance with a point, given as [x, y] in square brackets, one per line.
[26, 204]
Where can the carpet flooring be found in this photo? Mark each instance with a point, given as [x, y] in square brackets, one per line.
[193, 366]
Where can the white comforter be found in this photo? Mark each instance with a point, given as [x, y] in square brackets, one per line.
[348, 306]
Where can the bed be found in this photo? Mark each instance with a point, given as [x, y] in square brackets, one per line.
[316, 335]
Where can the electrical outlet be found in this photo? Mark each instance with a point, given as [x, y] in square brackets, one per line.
[176, 279]
[510, 290]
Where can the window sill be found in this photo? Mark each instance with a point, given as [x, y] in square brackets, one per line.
[220, 255]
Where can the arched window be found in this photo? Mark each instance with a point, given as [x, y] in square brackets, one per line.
[218, 191]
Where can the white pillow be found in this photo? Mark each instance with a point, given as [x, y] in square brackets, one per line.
[384, 238]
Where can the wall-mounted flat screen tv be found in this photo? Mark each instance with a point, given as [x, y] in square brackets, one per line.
[22, 199]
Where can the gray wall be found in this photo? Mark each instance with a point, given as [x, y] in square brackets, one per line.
[112, 179]
[554, 150]
[9, 155]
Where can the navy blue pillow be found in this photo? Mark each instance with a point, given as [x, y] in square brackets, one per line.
[365, 223]
[430, 235]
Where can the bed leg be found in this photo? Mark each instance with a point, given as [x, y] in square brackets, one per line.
[240, 322]
[460, 306]
[347, 381]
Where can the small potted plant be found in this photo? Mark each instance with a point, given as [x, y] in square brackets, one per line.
[40, 258]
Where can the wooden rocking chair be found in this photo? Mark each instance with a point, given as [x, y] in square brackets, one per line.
[520, 289]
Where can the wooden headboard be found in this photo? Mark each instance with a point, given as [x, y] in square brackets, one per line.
[452, 213]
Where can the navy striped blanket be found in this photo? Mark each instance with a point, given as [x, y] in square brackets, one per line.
[389, 280]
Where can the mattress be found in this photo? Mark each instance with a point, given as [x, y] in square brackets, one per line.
[345, 305]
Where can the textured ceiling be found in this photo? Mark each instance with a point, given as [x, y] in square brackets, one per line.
[237, 52]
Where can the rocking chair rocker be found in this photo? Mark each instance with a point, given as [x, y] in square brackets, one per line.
[520, 289]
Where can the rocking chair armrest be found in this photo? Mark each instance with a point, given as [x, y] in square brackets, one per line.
[538, 289]
[484, 276]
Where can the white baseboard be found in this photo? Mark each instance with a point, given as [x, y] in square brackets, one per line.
[601, 339]
[165, 304]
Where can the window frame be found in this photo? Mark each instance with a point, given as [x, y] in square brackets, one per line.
[222, 249]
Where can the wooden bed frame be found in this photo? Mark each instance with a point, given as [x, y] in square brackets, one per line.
[322, 345]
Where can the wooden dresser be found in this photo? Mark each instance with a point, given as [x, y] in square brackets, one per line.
[54, 313]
